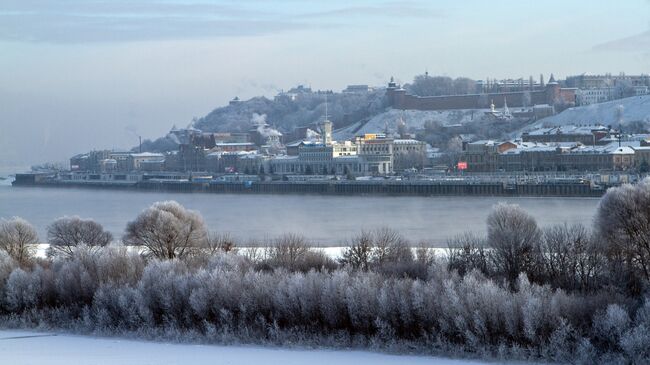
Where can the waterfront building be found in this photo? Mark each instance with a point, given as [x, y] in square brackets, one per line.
[587, 135]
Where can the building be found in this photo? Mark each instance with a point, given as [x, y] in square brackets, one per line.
[409, 153]
[234, 147]
[552, 94]
[357, 89]
[377, 150]
[518, 156]
[595, 95]
[148, 161]
[90, 161]
[370, 154]
[585, 81]
[483, 155]
[587, 135]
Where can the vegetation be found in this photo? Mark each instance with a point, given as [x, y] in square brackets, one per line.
[67, 233]
[559, 293]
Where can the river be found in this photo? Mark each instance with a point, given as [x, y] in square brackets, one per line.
[325, 220]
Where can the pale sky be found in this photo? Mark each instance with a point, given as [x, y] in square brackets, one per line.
[83, 74]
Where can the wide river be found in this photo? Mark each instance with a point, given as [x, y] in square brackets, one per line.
[325, 220]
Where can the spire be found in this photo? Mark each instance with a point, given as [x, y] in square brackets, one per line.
[506, 111]
[391, 83]
[551, 80]
[326, 129]
[326, 116]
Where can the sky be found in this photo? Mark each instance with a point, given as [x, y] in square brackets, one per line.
[82, 74]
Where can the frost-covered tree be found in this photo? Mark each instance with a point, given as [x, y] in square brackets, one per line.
[623, 224]
[467, 252]
[66, 233]
[390, 246]
[514, 238]
[19, 239]
[167, 230]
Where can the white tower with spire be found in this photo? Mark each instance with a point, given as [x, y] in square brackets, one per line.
[326, 129]
[506, 111]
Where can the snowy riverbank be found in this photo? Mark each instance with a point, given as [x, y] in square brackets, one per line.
[30, 347]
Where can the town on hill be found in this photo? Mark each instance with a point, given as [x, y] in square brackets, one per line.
[431, 127]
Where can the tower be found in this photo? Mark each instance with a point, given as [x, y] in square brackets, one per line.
[552, 91]
[506, 111]
[326, 129]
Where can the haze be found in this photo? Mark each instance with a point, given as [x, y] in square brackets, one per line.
[78, 75]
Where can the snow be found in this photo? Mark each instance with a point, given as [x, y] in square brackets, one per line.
[29, 347]
[636, 108]
[413, 119]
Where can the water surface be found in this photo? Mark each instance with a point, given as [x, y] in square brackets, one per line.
[326, 220]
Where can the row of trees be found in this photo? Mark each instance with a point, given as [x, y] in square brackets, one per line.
[615, 253]
[425, 85]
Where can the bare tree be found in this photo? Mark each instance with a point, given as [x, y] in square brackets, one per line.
[514, 238]
[66, 233]
[623, 224]
[220, 242]
[288, 249]
[466, 252]
[167, 230]
[390, 246]
[18, 238]
[410, 159]
[359, 252]
[570, 260]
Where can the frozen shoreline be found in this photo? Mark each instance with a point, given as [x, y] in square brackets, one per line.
[22, 347]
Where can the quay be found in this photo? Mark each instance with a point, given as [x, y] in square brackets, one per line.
[433, 187]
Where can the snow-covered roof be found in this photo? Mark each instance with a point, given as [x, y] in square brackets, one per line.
[285, 157]
[229, 144]
[407, 141]
[147, 154]
[624, 150]
[567, 129]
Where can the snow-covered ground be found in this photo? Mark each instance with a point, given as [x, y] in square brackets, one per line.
[414, 119]
[28, 347]
[636, 108]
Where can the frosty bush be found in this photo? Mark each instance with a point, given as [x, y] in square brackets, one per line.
[66, 233]
[513, 236]
[18, 238]
[167, 230]
[623, 224]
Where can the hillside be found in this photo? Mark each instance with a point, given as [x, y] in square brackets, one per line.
[285, 112]
[413, 120]
[296, 108]
[628, 111]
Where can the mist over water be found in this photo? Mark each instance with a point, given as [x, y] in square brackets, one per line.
[325, 220]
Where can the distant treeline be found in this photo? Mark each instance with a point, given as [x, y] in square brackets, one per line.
[561, 293]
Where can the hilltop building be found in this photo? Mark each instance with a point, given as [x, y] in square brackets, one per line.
[551, 94]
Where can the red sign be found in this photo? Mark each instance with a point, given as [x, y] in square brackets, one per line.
[462, 165]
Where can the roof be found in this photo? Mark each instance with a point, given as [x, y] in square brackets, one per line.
[623, 150]
[148, 154]
[407, 141]
[567, 129]
[227, 144]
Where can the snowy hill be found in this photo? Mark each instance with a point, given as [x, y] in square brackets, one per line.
[628, 110]
[413, 119]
